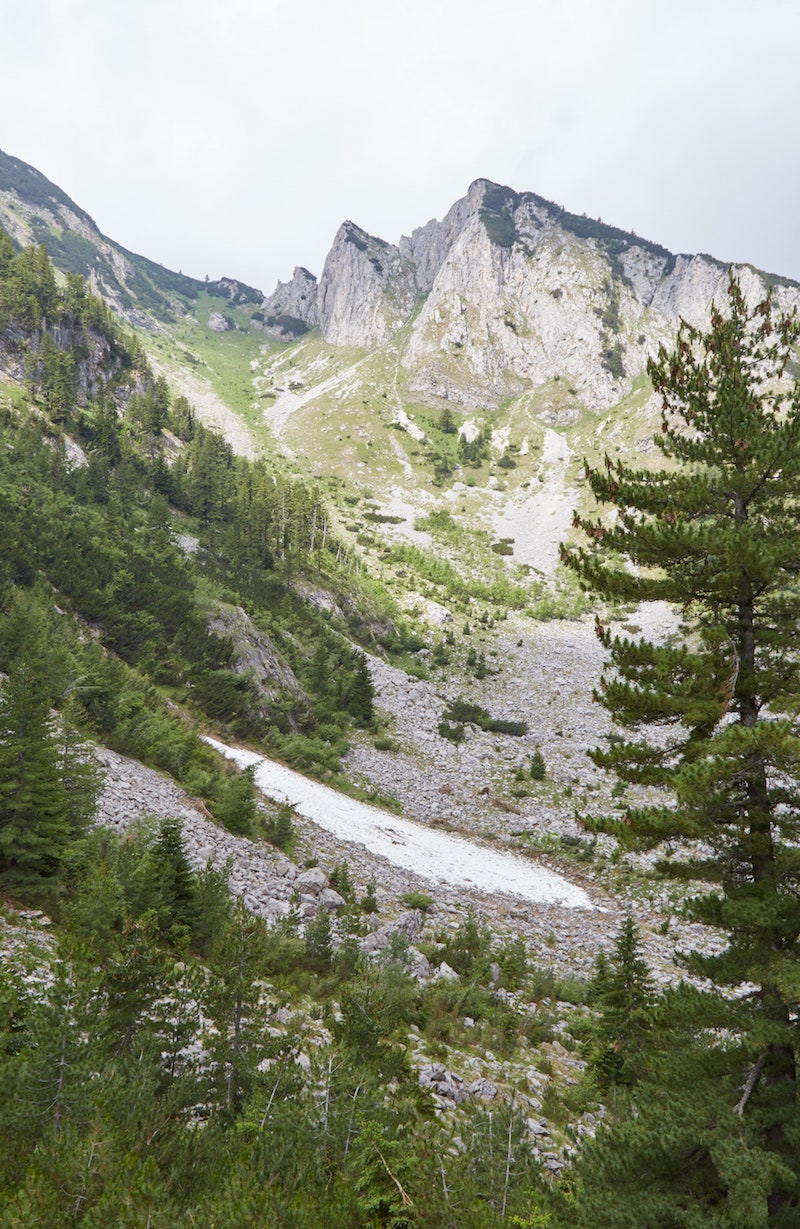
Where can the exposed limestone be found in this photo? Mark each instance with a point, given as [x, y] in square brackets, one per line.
[366, 291]
[263, 877]
[429, 244]
[291, 302]
[207, 404]
[255, 654]
[519, 293]
[445, 1085]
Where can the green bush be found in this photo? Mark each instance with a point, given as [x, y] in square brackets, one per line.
[279, 829]
[499, 227]
[538, 769]
[417, 900]
[461, 711]
[454, 733]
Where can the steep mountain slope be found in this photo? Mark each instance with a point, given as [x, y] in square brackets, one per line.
[34, 210]
[508, 292]
[472, 367]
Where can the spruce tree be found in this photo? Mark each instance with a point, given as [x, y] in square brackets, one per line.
[173, 880]
[360, 701]
[709, 716]
[234, 1002]
[79, 773]
[623, 995]
[34, 813]
[319, 947]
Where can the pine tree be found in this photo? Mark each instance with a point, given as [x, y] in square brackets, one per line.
[174, 881]
[447, 423]
[237, 808]
[716, 532]
[34, 819]
[362, 692]
[233, 1000]
[79, 773]
[319, 947]
[623, 995]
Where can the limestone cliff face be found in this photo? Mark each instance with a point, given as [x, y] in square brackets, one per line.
[500, 318]
[429, 245]
[366, 292]
[367, 289]
[517, 292]
[527, 293]
[291, 302]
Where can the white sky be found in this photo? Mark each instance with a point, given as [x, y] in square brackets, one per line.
[233, 136]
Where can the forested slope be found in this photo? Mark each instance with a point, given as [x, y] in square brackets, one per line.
[165, 1056]
[162, 1052]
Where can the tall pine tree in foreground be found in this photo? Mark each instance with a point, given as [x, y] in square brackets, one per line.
[712, 716]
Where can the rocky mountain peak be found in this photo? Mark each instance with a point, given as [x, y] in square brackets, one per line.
[367, 289]
[292, 306]
[517, 291]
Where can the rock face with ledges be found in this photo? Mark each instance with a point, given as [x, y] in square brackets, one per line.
[254, 653]
[290, 304]
[428, 245]
[367, 289]
[510, 292]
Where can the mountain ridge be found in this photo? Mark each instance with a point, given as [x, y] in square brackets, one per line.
[506, 292]
[35, 210]
[509, 291]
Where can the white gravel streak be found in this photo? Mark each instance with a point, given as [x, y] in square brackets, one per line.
[439, 856]
[539, 520]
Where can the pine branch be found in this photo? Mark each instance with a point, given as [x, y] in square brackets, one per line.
[406, 1198]
[750, 1085]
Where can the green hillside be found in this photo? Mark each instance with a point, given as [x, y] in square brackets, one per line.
[207, 532]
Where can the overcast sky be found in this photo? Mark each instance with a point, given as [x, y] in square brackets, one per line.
[231, 137]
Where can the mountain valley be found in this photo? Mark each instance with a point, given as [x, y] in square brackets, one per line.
[327, 525]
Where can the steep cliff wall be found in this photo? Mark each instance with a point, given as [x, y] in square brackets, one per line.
[515, 292]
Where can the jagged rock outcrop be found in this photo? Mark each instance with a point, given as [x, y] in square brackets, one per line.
[528, 293]
[367, 289]
[254, 653]
[506, 293]
[428, 245]
[517, 293]
[98, 364]
[292, 306]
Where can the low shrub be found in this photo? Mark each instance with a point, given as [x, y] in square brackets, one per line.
[463, 711]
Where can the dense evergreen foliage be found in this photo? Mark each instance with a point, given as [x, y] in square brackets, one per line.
[710, 716]
[101, 531]
[147, 1070]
